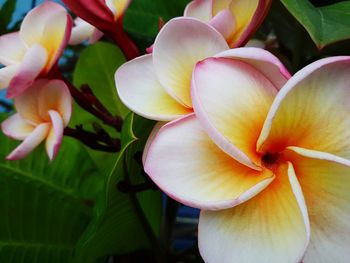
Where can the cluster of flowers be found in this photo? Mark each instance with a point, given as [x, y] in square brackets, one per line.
[265, 156]
[32, 78]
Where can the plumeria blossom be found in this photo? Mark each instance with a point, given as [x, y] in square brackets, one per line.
[83, 31]
[157, 85]
[43, 111]
[269, 167]
[35, 49]
[236, 20]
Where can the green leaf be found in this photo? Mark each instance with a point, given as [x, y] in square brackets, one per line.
[325, 24]
[117, 228]
[6, 13]
[96, 67]
[142, 16]
[45, 206]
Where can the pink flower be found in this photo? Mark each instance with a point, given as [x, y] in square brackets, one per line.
[83, 31]
[236, 20]
[157, 85]
[35, 49]
[44, 110]
[267, 162]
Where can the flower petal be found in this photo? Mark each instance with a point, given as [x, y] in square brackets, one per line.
[219, 5]
[312, 110]
[54, 138]
[248, 14]
[140, 90]
[325, 181]
[15, 127]
[180, 44]
[27, 103]
[184, 162]
[118, 7]
[200, 9]
[263, 61]
[54, 95]
[30, 68]
[272, 227]
[48, 25]
[12, 49]
[81, 32]
[30, 142]
[231, 99]
[225, 23]
[6, 75]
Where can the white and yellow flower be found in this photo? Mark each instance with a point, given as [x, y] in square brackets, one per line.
[35, 49]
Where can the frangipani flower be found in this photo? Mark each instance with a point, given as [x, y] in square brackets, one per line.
[83, 31]
[270, 169]
[157, 85]
[43, 111]
[236, 20]
[35, 49]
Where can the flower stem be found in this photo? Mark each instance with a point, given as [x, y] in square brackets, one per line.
[97, 141]
[120, 37]
[87, 100]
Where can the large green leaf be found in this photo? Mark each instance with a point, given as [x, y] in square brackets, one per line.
[45, 206]
[117, 227]
[96, 67]
[325, 24]
[6, 13]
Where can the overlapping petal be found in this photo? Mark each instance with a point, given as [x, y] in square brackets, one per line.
[180, 44]
[245, 17]
[55, 135]
[248, 14]
[312, 110]
[33, 63]
[325, 180]
[16, 127]
[231, 98]
[272, 227]
[48, 25]
[263, 61]
[12, 49]
[200, 9]
[139, 89]
[225, 23]
[184, 162]
[27, 103]
[55, 96]
[6, 75]
[38, 134]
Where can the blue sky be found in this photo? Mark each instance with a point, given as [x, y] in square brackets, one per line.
[23, 6]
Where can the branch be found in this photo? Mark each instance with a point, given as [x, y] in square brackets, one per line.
[87, 100]
[120, 37]
[100, 141]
